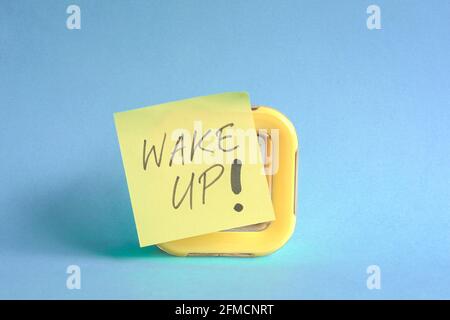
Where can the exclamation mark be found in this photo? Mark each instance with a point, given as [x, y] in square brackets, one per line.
[236, 181]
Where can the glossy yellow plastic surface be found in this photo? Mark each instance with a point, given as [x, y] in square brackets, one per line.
[283, 191]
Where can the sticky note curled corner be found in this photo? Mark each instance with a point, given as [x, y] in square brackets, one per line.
[193, 167]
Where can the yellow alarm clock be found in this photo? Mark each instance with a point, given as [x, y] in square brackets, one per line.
[281, 173]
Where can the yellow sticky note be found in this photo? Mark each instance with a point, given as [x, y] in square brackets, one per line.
[193, 167]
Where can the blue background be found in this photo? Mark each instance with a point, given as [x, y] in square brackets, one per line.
[371, 108]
